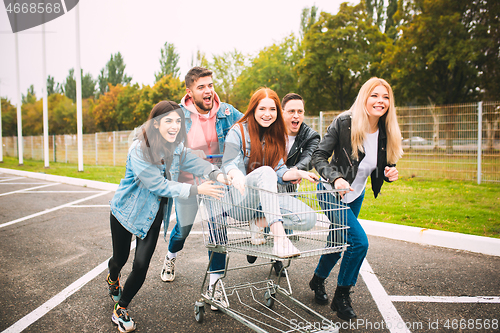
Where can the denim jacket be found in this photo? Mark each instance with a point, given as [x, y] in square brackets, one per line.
[137, 199]
[234, 158]
[227, 116]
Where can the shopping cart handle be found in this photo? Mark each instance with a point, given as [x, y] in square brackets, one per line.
[215, 156]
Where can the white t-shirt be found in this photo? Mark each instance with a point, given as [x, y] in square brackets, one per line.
[289, 143]
[366, 167]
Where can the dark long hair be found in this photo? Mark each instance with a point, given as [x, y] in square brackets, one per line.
[153, 146]
[274, 136]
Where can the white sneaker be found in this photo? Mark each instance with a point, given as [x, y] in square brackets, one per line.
[218, 295]
[168, 270]
[284, 248]
[257, 233]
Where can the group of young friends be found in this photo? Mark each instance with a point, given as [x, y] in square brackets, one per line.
[267, 145]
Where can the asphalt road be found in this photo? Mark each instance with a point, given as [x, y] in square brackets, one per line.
[55, 243]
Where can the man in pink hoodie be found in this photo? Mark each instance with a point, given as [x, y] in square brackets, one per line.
[207, 122]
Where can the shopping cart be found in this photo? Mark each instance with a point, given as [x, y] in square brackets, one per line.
[267, 305]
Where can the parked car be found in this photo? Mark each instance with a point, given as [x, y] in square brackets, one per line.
[415, 141]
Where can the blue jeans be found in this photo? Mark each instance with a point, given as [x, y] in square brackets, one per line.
[185, 211]
[356, 239]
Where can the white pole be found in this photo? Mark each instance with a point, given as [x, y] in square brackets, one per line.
[479, 139]
[45, 104]
[321, 123]
[79, 121]
[95, 148]
[19, 117]
[114, 149]
[1, 134]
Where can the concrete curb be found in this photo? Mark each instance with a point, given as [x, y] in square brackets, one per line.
[451, 240]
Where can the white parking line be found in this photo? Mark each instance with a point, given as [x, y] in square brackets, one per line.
[53, 209]
[65, 192]
[446, 299]
[43, 309]
[28, 189]
[393, 320]
[32, 183]
[11, 178]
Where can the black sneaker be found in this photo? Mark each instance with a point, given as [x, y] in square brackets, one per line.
[115, 290]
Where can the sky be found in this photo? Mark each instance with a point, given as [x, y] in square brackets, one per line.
[139, 29]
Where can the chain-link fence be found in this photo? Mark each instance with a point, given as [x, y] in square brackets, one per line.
[105, 148]
[459, 141]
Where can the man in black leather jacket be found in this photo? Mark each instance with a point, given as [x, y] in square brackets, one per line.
[301, 143]
[305, 139]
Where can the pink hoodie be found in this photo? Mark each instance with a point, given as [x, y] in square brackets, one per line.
[202, 135]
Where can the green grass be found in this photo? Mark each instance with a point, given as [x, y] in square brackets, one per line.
[457, 206]
[108, 174]
[448, 205]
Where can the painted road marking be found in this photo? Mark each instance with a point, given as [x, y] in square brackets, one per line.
[391, 316]
[446, 299]
[53, 209]
[28, 189]
[11, 178]
[43, 309]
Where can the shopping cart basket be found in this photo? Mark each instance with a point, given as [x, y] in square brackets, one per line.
[266, 306]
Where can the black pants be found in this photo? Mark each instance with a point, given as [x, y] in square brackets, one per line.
[144, 250]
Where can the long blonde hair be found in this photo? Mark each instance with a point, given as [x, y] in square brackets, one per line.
[360, 125]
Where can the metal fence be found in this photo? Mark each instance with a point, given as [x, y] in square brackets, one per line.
[459, 142]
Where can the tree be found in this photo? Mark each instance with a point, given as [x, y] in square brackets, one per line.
[390, 23]
[53, 87]
[113, 73]
[307, 19]
[168, 88]
[273, 67]
[435, 58]
[342, 51]
[375, 10]
[30, 96]
[9, 118]
[62, 114]
[105, 111]
[199, 60]
[88, 85]
[227, 68]
[169, 59]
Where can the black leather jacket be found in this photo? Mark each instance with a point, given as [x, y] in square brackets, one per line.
[305, 143]
[337, 140]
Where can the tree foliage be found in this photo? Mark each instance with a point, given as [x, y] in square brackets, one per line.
[341, 52]
[273, 67]
[88, 85]
[113, 74]
[169, 59]
[9, 118]
[168, 88]
[434, 59]
[227, 68]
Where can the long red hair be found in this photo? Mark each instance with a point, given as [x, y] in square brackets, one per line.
[274, 136]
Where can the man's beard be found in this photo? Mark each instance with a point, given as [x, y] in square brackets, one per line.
[202, 106]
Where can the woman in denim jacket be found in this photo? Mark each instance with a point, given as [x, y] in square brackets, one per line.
[143, 199]
[253, 156]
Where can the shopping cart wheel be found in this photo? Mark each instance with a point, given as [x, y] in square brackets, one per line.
[269, 299]
[199, 311]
